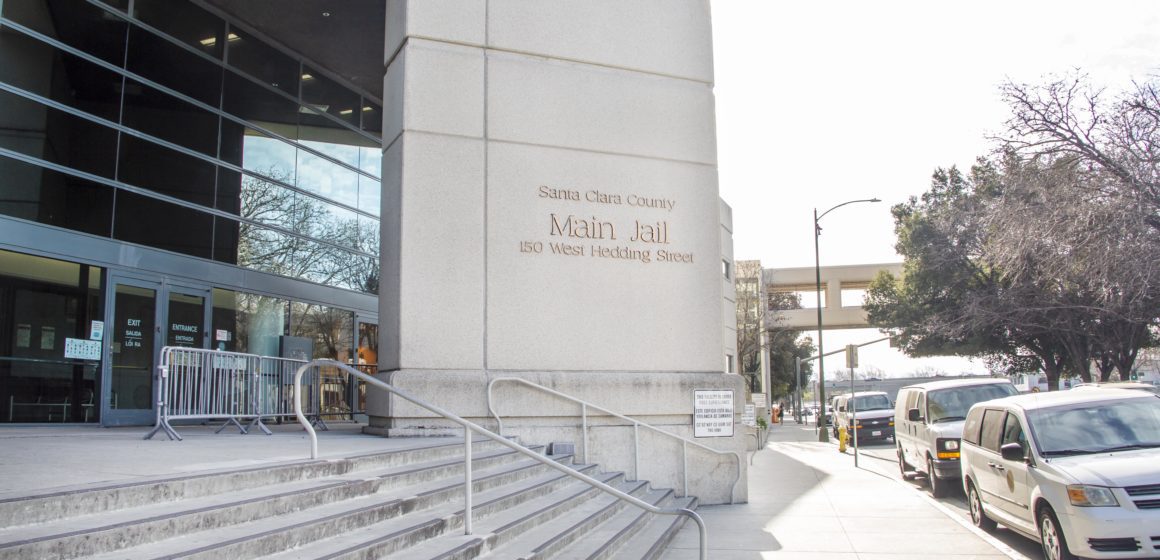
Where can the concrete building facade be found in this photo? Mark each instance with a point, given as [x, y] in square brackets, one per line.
[445, 191]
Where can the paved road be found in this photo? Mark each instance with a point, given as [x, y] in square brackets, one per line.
[880, 457]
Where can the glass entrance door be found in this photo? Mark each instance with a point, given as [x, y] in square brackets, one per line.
[144, 316]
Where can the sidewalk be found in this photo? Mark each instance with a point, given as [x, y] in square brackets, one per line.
[809, 502]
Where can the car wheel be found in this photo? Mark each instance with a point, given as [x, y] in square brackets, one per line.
[978, 517]
[1051, 537]
[938, 487]
[904, 468]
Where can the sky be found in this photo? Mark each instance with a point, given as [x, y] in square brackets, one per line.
[823, 102]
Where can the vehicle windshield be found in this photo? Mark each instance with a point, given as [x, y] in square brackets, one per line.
[1097, 427]
[949, 405]
[871, 402]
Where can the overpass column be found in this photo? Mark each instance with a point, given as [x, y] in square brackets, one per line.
[833, 294]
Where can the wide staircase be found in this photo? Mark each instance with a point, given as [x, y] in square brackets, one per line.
[406, 504]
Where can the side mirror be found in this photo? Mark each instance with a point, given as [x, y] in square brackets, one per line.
[914, 415]
[1012, 452]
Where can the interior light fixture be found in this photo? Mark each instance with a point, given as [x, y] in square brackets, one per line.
[346, 111]
[307, 77]
[211, 41]
[368, 108]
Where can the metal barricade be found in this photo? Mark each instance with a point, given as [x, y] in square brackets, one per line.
[235, 388]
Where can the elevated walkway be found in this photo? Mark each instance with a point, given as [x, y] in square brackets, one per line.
[835, 280]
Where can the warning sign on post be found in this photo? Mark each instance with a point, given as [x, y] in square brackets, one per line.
[712, 413]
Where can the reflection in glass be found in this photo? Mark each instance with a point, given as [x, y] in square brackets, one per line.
[272, 251]
[370, 192]
[43, 304]
[266, 156]
[371, 160]
[327, 179]
[332, 331]
[248, 323]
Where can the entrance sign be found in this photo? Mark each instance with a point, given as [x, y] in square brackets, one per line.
[97, 330]
[713, 413]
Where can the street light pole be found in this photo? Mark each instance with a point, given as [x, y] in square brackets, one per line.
[823, 434]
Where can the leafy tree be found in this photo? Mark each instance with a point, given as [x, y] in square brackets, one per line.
[785, 346]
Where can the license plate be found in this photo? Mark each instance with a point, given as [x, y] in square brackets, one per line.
[876, 433]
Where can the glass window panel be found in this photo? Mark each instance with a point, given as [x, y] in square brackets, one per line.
[267, 64]
[370, 160]
[372, 117]
[229, 191]
[73, 22]
[160, 169]
[49, 197]
[325, 95]
[370, 194]
[169, 118]
[57, 136]
[225, 240]
[271, 251]
[269, 157]
[247, 323]
[156, 223]
[271, 204]
[122, 5]
[368, 235]
[170, 65]
[185, 22]
[231, 141]
[327, 179]
[339, 145]
[44, 70]
[251, 102]
[44, 302]
[331, 329]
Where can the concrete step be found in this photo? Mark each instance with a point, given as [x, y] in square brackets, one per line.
[73, 502]
[650, 541]
[116, 530]
[627, 527]
[407, 515]
[495, 517]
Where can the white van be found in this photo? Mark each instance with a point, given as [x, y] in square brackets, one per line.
[929, 426]
[869, 411]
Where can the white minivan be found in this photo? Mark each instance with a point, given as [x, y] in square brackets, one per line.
[1075, 470]
[869, 412]
[929, 423]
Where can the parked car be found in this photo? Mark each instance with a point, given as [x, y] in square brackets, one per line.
[869, 412]
[928, 424]
[1075, 470]
[1134, 385]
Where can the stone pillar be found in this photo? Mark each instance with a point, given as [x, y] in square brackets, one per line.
[550, 212]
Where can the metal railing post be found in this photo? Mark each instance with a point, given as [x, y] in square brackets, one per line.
[584, 429]
[470, 428]
[636, 451]
[685, 467]
[466, 480]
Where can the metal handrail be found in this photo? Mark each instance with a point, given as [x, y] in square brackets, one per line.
[468, 428]
[636, 425]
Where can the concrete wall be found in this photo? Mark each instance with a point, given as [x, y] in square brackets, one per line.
[550, 209]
